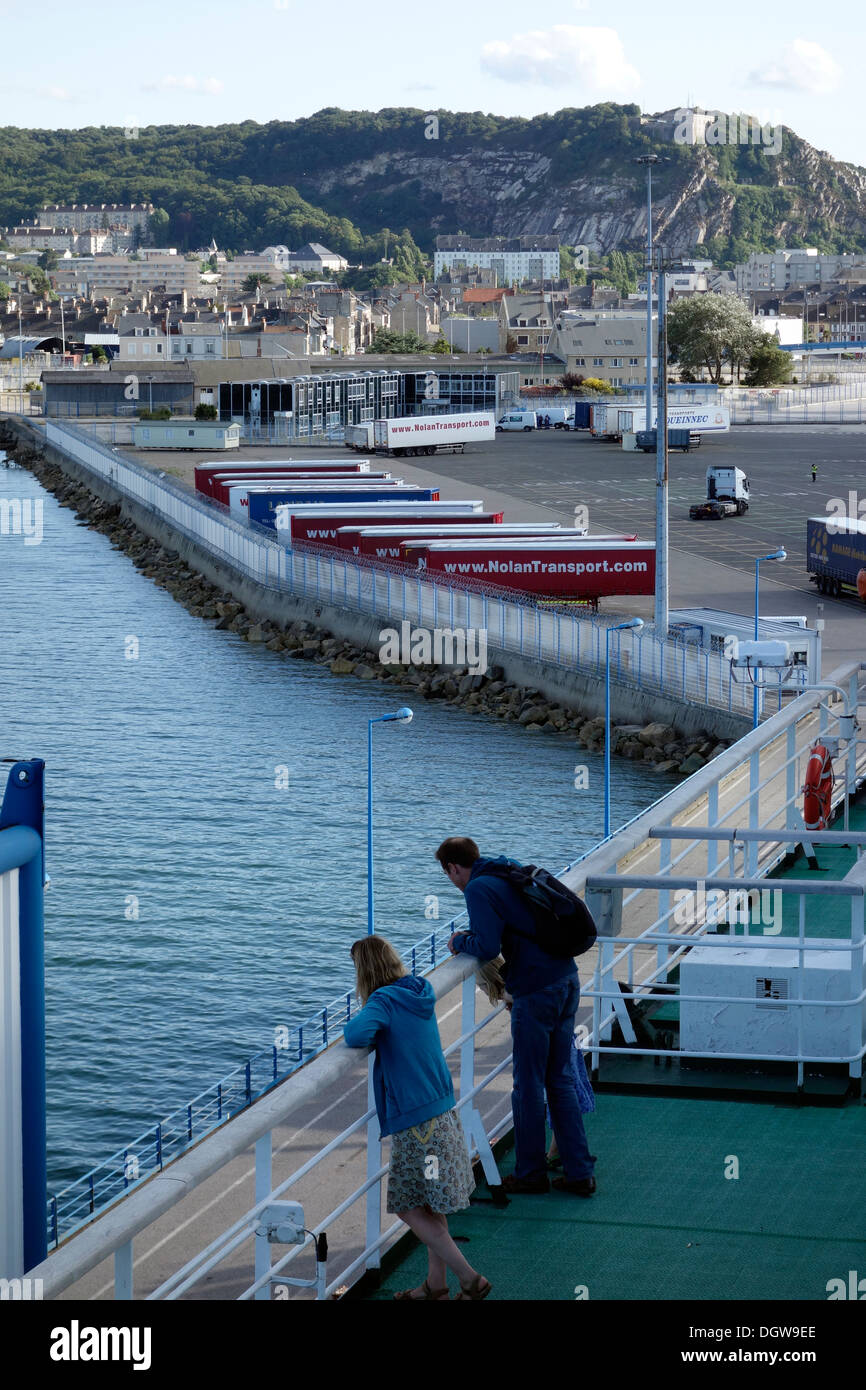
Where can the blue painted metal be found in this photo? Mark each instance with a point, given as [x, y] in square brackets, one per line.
[22, 846]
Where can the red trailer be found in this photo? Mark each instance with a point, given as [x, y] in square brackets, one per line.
[318, 523]
[205, 472]
[385, 542]
[585, 568]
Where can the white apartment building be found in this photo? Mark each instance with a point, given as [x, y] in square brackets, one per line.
[510, 259]
[784, 270]
[152, 267]
[610, 345]
[86, 217]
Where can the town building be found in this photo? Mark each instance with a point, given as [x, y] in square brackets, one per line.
[608, 344]
[85, 217]
[511, 259]
[783, 270]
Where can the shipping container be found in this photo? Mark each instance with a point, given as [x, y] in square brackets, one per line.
[547, 569]
[836, 554]
[318, 524]
[424, 434]
[263, 505]
[386, 542]
[206, 472]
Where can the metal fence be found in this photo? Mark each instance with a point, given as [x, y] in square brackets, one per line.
[639, 660]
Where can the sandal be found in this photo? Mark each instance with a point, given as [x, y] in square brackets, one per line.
[405, 1295]
[474, 1291]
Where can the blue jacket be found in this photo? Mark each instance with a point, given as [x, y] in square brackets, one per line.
[411, 1080]
[493, 905]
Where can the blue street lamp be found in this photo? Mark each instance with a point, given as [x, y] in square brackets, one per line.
[779, 554]
[402, 716]
[620, 627]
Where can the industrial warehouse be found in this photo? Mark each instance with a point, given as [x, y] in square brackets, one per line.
[283, 399]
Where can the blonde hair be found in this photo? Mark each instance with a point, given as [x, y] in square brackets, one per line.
[376, 964]
[489, 979]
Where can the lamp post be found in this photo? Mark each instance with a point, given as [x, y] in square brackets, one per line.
[620, 627]
[780, 554]
[402, 716]
[649, 160]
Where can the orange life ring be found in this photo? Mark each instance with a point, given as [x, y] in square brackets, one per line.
[818, 788]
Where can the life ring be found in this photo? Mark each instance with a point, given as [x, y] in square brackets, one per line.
[818, 788]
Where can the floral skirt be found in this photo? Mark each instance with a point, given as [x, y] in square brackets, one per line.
[430, 1166]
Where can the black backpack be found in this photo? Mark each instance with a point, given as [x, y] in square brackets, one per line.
[564, 925]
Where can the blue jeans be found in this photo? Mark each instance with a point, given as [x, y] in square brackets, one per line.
[542, 1027]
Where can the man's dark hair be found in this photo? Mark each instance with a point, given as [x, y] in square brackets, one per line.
[458, 849]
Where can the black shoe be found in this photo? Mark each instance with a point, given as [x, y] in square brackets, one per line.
[513, 1185]
[579, 1187]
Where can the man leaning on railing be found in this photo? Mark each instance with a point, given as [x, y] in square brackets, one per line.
[546, 991]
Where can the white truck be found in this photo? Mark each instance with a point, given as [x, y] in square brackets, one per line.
[517, 420]
[727, 495]
[612, 419]
[432, 434]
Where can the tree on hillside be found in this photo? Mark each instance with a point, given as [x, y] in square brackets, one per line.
[158, 225]
[768, 364]
[48, 260]
[707, 331]
[254, 279]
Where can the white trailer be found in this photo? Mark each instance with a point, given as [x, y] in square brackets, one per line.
[611, 420]
[360, 437]
[431, 434]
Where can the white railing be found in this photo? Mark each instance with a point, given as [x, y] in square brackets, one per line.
[771, 762]
[640, 661]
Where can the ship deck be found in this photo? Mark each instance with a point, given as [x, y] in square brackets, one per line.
[711, 1185]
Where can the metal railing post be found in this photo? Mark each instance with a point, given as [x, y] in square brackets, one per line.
[264, 1183]
[123, 1272]
[751, 854]
[373, 1200]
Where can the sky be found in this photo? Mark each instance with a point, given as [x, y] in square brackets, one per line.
[205, 64]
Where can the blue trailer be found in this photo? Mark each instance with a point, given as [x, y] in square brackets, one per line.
[263, 505]
[836, 555]
[581, 415]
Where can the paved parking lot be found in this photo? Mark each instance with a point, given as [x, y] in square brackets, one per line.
[711, 562]
[543, 476]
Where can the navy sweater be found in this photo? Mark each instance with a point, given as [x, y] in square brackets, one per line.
[493, 906]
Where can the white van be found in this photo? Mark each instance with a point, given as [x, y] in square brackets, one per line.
[517, 420]
[559, 419]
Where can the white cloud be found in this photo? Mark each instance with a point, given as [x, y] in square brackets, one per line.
[201, 86]
[57, 94]
[591, 58]
[804, 67]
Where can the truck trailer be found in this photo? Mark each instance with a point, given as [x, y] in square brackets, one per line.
[385, 542]
[318, 524]
[585, 568]
[611, 420]
[243, 467]
[432, 434]
[836, 555]
[263, 505]
[231, 491]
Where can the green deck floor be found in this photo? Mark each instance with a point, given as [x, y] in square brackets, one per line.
[667, 1224]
